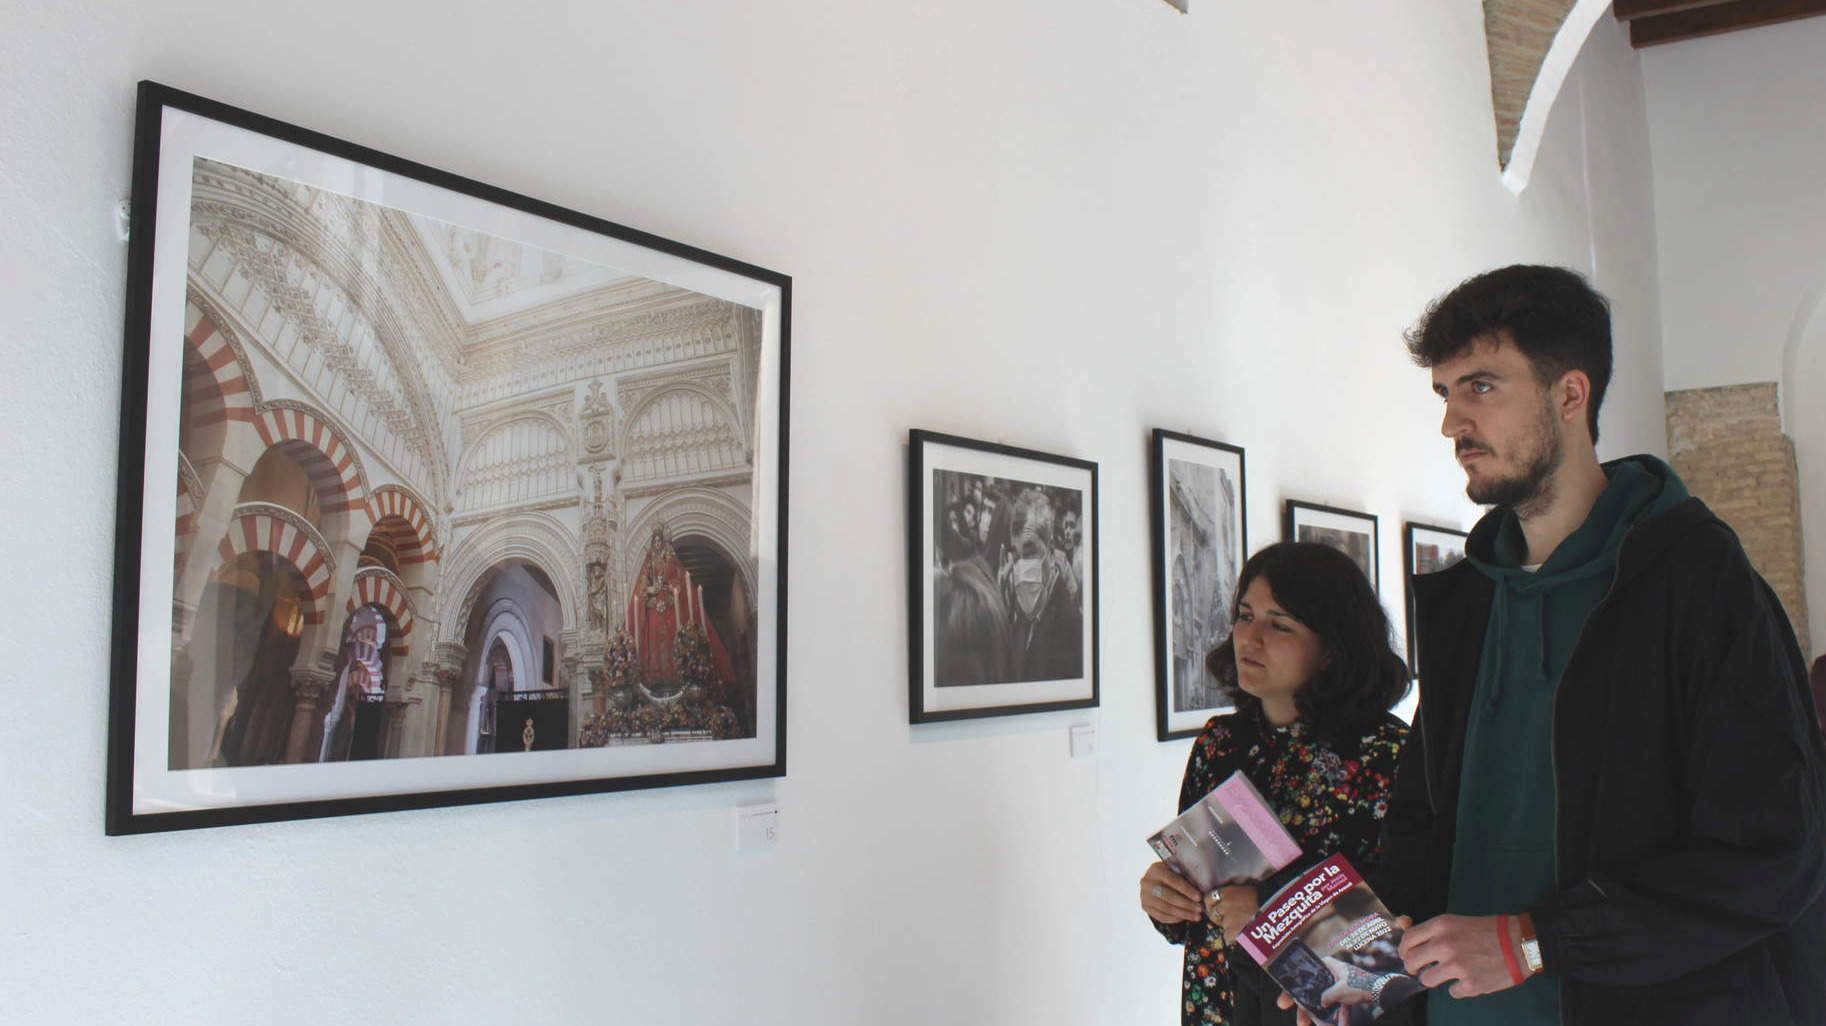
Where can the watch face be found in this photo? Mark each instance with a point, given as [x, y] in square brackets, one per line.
[1531, 952]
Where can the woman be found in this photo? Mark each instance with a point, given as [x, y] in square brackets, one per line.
[1313, 674]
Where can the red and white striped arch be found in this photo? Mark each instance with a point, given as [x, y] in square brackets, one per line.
[187, 518]
[402, 517]
[331, 462]
[259, 531]
[376, 586]
[216, 388]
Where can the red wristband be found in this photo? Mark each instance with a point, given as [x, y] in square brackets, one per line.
[1502, 939]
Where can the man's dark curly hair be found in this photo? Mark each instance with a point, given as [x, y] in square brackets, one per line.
[1325, 590]
[1558, 321]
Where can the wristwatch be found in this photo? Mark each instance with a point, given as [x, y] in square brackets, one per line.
[1531, 947]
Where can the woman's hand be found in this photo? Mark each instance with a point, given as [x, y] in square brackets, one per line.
[1235, 906]
[1167, 898]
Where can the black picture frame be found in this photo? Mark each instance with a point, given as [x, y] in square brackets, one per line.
[1331, 525]
[1415, 562]
[1207, 585]
[1001, 675]
[193, 154]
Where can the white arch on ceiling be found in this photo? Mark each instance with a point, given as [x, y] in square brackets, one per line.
[1804, 420]
[1567, 43]
[1808, 324]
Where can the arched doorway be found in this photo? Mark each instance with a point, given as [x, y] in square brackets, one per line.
[354, 728]
[237, 708]
[515, 630]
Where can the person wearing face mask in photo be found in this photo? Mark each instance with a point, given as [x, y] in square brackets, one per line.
[1047, 624]
[1313, 673]
[1071, 553]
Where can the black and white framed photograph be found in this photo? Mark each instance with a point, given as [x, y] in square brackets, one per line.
[1002, 579]
[1427, 549]
[431, 493]
[1198, 495]
[1350, 532]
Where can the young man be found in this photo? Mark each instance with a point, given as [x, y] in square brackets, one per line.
[1613, 808]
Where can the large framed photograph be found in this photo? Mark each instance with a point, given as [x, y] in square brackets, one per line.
[1002, 579]
[1198, 496]
[1350, 532]
[431, 493]
[1426, 550]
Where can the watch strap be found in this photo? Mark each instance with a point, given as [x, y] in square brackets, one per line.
[1531, 944]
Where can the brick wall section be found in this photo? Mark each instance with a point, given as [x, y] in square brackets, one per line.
[1518, 34]
[1727, 443]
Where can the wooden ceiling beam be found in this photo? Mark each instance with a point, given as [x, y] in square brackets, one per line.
[1719, 18]
[1629, 10]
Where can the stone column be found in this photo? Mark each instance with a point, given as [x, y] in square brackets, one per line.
[418, 701]
[309, 687]
[397, 714]
[346, 556]
[192, 722]
[214, 509]
[444, 672]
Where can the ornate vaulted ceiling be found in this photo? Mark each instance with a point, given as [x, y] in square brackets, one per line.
[489, 277]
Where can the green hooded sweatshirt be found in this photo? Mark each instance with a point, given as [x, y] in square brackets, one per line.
[1503, 855]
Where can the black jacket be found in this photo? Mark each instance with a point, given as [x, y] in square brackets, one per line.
[1690, 786]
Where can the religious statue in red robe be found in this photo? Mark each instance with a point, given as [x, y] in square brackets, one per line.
[664, 601]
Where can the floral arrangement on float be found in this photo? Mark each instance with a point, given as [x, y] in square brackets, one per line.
[695, 705]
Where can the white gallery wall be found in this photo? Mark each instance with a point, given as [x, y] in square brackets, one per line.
[1051, 223]
[1740, 200]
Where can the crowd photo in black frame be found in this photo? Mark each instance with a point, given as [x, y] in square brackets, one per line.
[430, 493]
[1001, 579]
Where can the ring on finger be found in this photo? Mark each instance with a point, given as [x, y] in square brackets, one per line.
[1157, 892]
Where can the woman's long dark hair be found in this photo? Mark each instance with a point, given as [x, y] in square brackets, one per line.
[1325, 590]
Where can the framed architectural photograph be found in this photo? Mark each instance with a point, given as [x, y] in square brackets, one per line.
[1002, 579]
[1197, 498]
[1352, 533]
[431, 493]
[1426, 549]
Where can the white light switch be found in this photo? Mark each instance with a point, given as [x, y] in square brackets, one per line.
[1084, 740]
[756, 826]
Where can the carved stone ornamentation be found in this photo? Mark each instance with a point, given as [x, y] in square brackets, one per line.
[600, 424]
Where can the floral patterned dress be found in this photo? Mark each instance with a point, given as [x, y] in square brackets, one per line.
[1331, 801]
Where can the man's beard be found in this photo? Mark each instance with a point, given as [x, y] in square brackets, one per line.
[1531, 488]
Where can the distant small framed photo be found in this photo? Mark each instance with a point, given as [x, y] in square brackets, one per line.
[1427, 549]
[1002, 579]
[1350, 532]
[1197, 497]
